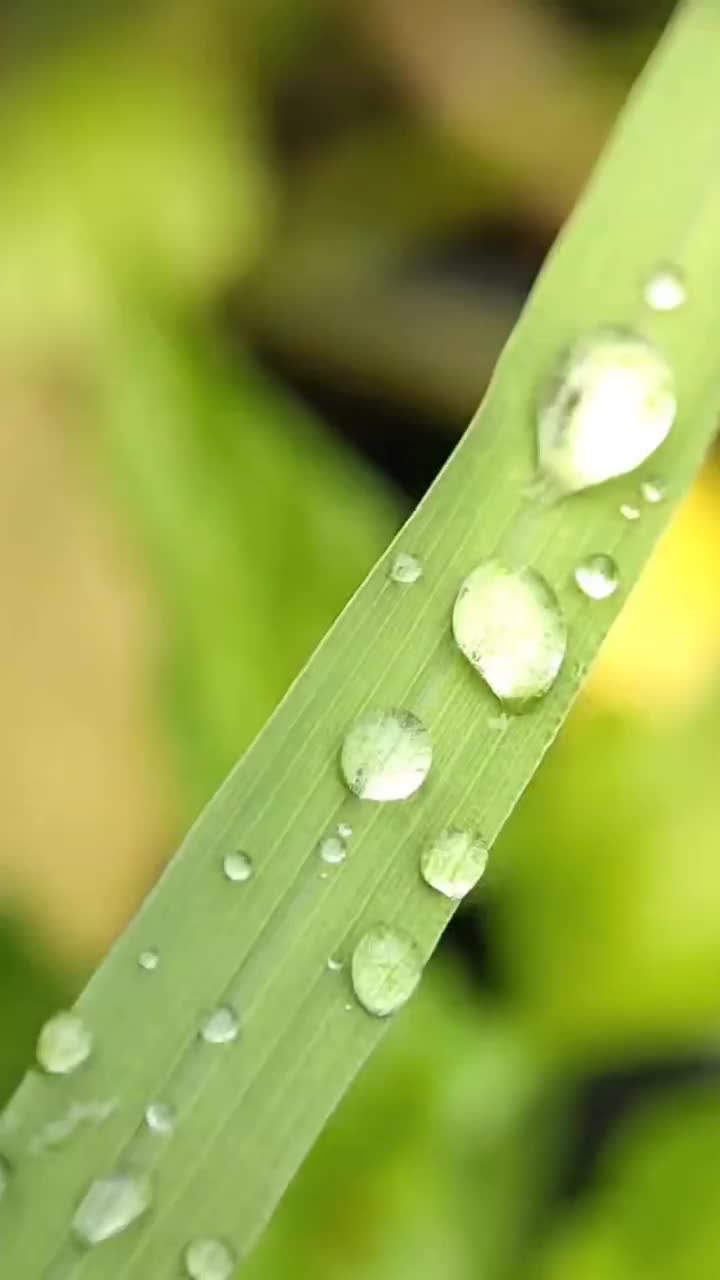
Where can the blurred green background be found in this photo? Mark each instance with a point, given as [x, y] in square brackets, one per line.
[256, 262]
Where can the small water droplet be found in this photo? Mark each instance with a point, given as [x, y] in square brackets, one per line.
[221, 1026]
[209, 1259]
[344, 830]
[405, 568]
[609, 406]
[386, 755]
[509, 625]
[335, 963]
[64, 1044]
[4, 1175]
[629, 512]
[453, 863]
[111, 1205]
[238, 867]
[653, 491]
[665, 289]
[386, 968]
[149, 960]
[160, 1118]
[332, 850]
[598, 577]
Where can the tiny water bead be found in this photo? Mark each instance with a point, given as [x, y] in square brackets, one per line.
[453, 863]
[345, 830]
[405, 569]
[653, 491]
[386, 755]
[149, 960]
[238, 867]
[160, 1118]
[64, 1044]
[335, 963]
[598, 577]
[609, 406]
[510, 627]
[333, 850]
[209, 1259]
[386, 968]
[629, 512]
[221, 1026]
[111, 1205]
[665, 289]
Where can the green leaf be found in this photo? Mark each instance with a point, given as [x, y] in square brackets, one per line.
[248, 1111]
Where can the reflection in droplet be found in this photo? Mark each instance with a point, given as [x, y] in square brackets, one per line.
[64, 1044]
[509, 625]
[111, 1205]
[386, 968]
[453, 862]
[598, 577]
[386, 755]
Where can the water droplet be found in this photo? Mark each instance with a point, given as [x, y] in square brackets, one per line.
[509, 625]
[386, 755]
[598, 577]
[64, 1044]
[221, 1026]
[209, 1259]
[653, 491]
[386, 968]
[453, 863]
[160, 1118]
[629, 512]
[405, 568]
[4, 1175]
[665, 289]
[610, 405]
[344, 830]
[333, 850]
[111, 1205]
[149, 960]
[335, 963]
[238, 867]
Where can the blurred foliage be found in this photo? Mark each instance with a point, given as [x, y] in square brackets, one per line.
[370, 188]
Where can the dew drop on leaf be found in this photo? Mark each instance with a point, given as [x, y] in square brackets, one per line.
[344, 830]
[386, 968]
[598, 577]
[608, 407]
[386, 755]
[405, 569]
[335, 963]
[209, 1259]
[332, 850]
[508, 623]
[64, 1044]
[238, 867]
[160, 1118]
[453, 862]
[629, 512]
[665, 289]
[111, 1205]
[221, 1026]
[149, 960]
[653, 491]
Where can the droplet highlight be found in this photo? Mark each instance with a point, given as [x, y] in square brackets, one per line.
[598, 577]
[160, 1118]
[221, 1026]
[209, 1259]
[64, 1044]
[608, 407]
[386, 755]
[653, 491]
[665, 289]
[111, 1205]
[405, 569]
[629, 512]
[238, 867]
[386, 969]
[453, 863]
[509, 625]
[149, 960]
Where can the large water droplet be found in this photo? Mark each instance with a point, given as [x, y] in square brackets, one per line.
[221, 1026]
[598, 577]
[238, 867]
[386, 755]
[665, 289]
[160, 1118]
[64, 1044]
[509, 625]
[209, 1259]
[333, 850]
[405, 568]
[610, 405]
[653, 491]
[149, 960]
[453, 863]
[111, 1205]
[386, 968]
